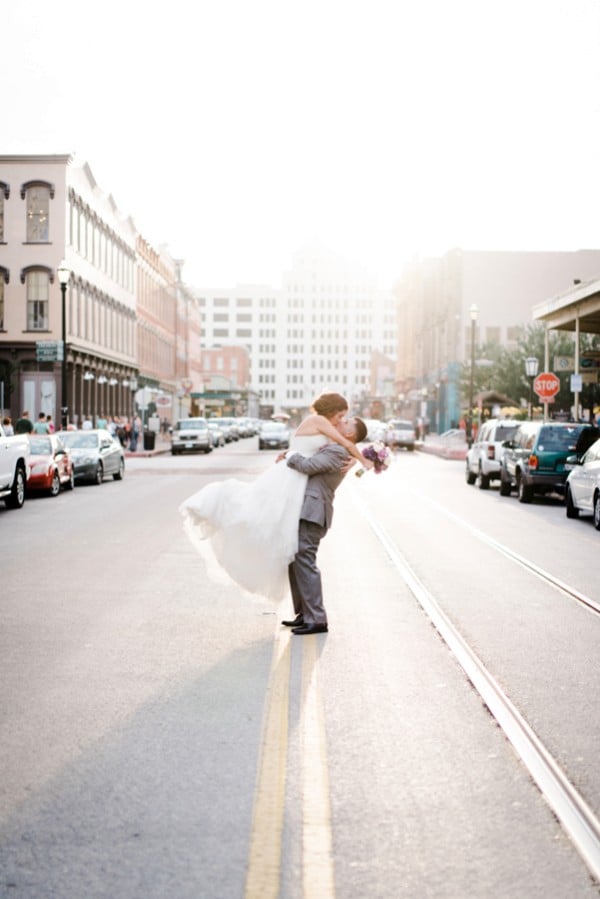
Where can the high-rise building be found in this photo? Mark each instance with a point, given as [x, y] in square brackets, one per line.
[434, 298]
[318, 332]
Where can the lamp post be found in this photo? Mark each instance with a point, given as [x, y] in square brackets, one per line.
[63, 277]
[531, 369]
[473, 312]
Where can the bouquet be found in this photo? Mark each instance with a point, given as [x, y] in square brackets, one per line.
[378, 454]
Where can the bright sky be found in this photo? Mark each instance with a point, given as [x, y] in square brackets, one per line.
[236, 131]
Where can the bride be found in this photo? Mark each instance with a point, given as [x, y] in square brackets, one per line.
[247, 531]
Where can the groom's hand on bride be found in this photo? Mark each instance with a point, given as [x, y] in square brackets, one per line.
[348, 465]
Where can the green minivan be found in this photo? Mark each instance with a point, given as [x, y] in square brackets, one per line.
[534, 459]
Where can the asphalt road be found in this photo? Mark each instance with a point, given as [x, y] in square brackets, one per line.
[162, 736]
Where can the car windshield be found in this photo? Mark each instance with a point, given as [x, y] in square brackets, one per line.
[274, 426]
[191, 424]
[40, 446]
[80, 439]
[558, 439]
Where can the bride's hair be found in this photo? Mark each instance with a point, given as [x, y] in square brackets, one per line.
[329, 403]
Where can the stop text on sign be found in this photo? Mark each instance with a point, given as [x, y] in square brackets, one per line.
[546, 385]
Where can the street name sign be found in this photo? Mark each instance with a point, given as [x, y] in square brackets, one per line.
[49, 350]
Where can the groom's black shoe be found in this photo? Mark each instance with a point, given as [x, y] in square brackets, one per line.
[310, 629]
[297, 622]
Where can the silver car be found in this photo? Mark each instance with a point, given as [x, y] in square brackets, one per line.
[95, 454]
[191, 435]
[400, 433]
[582, 490]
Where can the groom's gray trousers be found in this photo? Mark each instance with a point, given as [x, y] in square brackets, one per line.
[324, 475]
[304, 574]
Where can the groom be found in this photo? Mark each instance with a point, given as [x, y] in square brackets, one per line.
[326, 470]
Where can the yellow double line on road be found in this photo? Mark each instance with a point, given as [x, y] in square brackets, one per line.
[264, 861]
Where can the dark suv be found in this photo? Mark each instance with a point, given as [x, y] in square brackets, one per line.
[533, 460]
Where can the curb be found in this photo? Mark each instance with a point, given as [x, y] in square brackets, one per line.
[454, 453]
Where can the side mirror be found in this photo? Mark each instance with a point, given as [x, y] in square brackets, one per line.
[573, 460]
[508, 444]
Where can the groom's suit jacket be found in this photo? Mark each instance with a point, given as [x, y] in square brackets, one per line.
[324, 476]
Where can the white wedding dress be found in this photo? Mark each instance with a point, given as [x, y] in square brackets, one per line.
[247, 531]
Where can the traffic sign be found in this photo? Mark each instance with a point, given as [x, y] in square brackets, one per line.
[546, 385]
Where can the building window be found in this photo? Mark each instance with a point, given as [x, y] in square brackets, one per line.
[1, 304]
[221, 301]
[38, 211]
[37, 301]
[1, 217]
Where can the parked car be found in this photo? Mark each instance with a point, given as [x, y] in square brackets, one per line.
[95, 454]
[274, 435]
[375, 429]
[231, 428]
[191, 435]
[582, 489]
[15, 460]
[217, 433]
[244, 427]
[534, 459]
[400, 433]
[483, 458]
[51, 464]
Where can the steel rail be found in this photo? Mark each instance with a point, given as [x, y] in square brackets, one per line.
[575, 816]
[544, 575]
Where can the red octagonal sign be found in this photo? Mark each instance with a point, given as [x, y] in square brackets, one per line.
[546, 385]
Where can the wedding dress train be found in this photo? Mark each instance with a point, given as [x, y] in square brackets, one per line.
[248, 530]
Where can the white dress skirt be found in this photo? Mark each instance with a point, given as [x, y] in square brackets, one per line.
[247, 531]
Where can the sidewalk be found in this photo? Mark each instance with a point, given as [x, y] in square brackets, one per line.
[161, 445]
[448, 448]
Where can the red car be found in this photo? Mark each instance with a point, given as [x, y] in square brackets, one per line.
[51, 464]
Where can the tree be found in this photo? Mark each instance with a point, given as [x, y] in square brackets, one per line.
[507, 374]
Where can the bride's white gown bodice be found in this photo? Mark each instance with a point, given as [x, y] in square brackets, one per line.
[251, 527]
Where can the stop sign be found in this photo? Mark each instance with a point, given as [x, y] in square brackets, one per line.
[546, 385]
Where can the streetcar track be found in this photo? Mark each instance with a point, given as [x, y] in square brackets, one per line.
[572, 811]
[541, 573]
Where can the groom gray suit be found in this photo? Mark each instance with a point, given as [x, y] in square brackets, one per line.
[324, 476]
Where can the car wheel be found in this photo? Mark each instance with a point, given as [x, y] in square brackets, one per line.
[119, 475]
[483, 480]
[524, 492]
[571, 509]
[505, 485]
[99, 474]
[17, 493]
[55, 486]
[597, 511]
[470, 478]
[70, 485]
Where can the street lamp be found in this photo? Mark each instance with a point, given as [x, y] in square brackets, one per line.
[473, 312]
[63, 277]
[531, 369]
